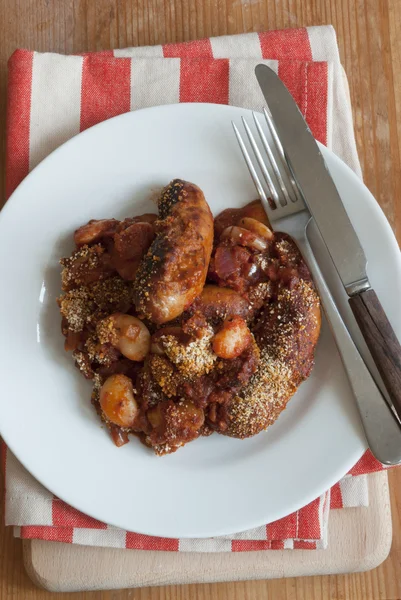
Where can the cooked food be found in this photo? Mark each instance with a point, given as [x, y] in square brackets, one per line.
[232, 338]
[173, 271]
[127, 334]
[232, 216]
[117, 401]
[185, 333]
[218, 303]
[286, 332]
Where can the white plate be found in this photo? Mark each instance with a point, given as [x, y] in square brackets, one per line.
[214, 485]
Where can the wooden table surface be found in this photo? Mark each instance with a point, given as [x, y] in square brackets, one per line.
[370, 47]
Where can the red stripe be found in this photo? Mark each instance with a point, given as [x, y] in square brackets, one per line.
[3, 450]
[277, 545]
[308, 521]
[367, 464]
[317, 98]
[294, 76]
[288, 43]
[18, 118]
[336, 497]
[308, 84]
[250, 545]
[204, 80]
[195, 49]
[283, 528]
[137, 541]
[64, 515]
[51, 534]
[106, 89]
[303, 545]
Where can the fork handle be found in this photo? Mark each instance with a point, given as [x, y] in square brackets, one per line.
[381, 341]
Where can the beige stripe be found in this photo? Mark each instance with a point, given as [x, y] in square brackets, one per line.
[114, 538]
[258, 533]
[204, 545]
[244, 89]
[55, 103]
[27, 501]
[323, 43]
[154, 83]
[354, 491]
[236, 46]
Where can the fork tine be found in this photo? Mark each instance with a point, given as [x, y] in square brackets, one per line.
[261, 162]
[272, 160]
[248, 160]
[280, 150]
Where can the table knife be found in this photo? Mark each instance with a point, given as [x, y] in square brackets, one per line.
[324, 202]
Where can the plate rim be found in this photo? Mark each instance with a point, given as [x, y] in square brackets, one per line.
[374, 205]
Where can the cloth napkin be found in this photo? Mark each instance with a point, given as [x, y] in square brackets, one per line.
[53, 97]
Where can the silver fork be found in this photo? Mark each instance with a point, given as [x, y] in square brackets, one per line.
[285, 207]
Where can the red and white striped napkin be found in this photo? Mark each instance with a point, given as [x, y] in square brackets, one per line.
[53, 97]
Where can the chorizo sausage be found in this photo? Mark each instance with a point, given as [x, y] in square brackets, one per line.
[219, 303]
[173, 271]
[286, 334]
[130, 245]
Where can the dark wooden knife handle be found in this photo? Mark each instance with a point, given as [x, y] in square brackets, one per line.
[381, 340]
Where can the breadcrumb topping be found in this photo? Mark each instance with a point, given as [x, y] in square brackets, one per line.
[193, 359]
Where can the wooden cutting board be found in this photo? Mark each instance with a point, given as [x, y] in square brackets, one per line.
[359, 540]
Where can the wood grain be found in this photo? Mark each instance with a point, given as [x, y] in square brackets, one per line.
[370, 46]
[359, 539]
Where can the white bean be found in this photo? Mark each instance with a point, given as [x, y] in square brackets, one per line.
[256, 227]
[232, 339]
[244, 237]
[132, 336]
[117, 400]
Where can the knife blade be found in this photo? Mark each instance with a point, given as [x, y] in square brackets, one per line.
[325, 205]
[317, 187]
